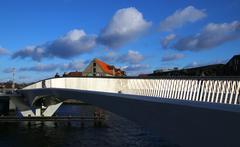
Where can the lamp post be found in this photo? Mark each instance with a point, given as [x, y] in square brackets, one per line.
[13, 78]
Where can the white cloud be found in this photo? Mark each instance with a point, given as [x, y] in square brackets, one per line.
[172, 57]
[167, 40]
[136, 69]
[73, 65]
[132, 57]
[125, 25]
[74, 43]
[187, 15]
[135, 56]
[3, 51]
[211, 36]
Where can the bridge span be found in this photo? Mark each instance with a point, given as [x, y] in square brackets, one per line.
[188, 111]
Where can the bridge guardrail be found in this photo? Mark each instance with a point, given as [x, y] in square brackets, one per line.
[224, 90]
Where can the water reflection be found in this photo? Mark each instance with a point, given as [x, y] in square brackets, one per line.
[117, 132]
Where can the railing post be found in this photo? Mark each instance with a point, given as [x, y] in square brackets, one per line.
[232, 91]
[210, 90]
[222, 91]
[237, 99]
[227, 91]
[214, 91]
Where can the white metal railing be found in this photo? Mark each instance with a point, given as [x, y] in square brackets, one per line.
[225, 91]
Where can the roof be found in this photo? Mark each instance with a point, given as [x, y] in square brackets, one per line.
[74, 74]
[233, 58]
[109, 68]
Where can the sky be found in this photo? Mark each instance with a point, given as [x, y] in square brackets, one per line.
[43, 37]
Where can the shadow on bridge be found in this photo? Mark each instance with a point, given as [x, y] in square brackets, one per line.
[187, 123]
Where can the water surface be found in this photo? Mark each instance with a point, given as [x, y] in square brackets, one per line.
[117, 132]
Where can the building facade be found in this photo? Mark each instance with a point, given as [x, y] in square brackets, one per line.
[99, 68]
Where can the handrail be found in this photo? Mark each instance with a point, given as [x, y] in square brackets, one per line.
[212, 90]
[150, 77]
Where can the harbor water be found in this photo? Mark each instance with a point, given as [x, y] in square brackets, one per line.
[115, 131]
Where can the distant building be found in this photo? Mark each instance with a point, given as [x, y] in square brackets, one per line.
[163, 70]
[73, 74]
[100, 68]
[9, 85]
[232, 68]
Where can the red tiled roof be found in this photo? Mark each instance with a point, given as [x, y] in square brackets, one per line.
[108, 68]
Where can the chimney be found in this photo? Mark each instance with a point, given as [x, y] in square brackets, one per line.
[113, 71]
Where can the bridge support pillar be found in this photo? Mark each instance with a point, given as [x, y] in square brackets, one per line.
[38, 112]
[51, 109]
[27, 113]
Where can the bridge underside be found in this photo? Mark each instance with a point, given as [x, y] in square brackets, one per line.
[187, 123]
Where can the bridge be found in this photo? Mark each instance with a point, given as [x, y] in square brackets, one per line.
[191, 112]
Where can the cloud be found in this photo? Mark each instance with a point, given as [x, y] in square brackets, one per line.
[8, 70]
[74, 65]
[132, 57]
[211, 36]
[172, 57]
[74, 43]
[71, 66]
[135, 67]
[34, 52]
[181, 17]
[40, 68]
[3, 51]
[167, 40]
[126, 24]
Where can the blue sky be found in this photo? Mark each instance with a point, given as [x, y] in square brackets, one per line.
[42, 37]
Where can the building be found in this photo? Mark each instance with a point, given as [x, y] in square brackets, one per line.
[73, 74]
[100, 68]
[231, 68]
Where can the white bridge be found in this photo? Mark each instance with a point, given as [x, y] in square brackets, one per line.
[192, 112]
[224, 91]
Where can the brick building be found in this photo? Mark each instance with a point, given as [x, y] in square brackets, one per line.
[100, 68]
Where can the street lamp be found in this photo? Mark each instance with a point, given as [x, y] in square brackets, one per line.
[13, 78]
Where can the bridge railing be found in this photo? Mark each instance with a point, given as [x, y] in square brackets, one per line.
[214, 90]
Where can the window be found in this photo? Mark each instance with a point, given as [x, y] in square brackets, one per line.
[94, 64]
[94, 70]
